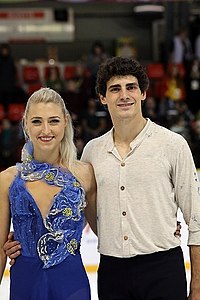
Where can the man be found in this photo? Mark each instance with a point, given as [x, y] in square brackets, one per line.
[144, 172]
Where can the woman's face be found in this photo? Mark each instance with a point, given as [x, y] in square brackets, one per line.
[45, 125]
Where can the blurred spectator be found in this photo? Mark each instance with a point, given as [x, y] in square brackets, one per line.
[83, 79]
[174, 95]
[177, 118]
[184, 112]
[96, 56]
[8, 145]
[195, 146]
[74, 100]
[180, 126]
[79, 139]
[125, 47]
[193, 87]
[181, 49]
[53, 79]
[93, 124]
[150, 109]
[8, 73]
[197, 47]
[173, 87]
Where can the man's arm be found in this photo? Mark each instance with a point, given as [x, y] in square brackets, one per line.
[12, 248]
[195, 273]
[91, 209]
[4, 219]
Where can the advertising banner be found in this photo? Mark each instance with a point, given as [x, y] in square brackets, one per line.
[37, 24]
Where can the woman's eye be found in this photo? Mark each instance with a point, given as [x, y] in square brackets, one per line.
[55, 121]
[36, 122]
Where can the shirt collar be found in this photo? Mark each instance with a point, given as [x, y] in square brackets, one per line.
[146, 131]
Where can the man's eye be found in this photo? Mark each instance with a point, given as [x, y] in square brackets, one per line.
[132, 87]
[115, 89]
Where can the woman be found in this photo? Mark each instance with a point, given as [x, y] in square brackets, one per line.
[46, 196]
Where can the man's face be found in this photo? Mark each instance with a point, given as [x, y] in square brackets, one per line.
[123, 97]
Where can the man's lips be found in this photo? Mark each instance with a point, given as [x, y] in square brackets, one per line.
[125, 104]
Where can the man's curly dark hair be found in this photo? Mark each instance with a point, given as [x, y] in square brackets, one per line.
[120, 66]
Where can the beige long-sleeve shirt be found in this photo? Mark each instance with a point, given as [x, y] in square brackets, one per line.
[138, 197]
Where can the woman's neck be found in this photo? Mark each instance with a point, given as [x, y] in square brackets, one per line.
[52, 159]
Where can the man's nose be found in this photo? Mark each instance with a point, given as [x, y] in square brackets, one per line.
[124, 93]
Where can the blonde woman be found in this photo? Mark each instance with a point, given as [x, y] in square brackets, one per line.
[47, 196]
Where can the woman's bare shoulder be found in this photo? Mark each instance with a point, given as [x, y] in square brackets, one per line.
[8, 175]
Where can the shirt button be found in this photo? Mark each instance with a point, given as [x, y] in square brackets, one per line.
[122, 164]
[123, 213]
[122, 187]
[125, 238]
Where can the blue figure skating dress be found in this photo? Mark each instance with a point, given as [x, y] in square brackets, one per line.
[50, 266]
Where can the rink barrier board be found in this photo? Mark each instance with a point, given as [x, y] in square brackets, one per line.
[94, 268]
[89, 269]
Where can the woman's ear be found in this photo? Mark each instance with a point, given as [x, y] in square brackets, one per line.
[25, 130]
[26, 133]
[66, 121]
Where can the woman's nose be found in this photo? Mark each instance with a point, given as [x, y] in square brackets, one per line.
[46, 128]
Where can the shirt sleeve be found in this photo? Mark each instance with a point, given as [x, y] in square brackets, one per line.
[187, 191]
[86, 153]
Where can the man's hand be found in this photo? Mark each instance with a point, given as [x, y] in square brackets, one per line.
[12, 248]
[194, 296]
[195, 272]
[178, 229]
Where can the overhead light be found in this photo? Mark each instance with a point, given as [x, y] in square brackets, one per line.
[150, 8]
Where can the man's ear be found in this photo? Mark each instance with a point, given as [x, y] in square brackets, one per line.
[102, 99]
[144, 96]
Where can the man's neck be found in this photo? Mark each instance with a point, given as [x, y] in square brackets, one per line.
[126, 131]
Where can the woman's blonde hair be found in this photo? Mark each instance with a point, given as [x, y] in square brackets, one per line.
[68, 153]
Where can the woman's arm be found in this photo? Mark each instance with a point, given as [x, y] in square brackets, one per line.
[4, 218]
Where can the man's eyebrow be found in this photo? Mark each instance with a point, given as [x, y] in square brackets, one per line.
[114, 85]
[132, 84]
[127, 84]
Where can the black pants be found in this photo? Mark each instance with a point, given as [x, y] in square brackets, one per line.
[157, 276]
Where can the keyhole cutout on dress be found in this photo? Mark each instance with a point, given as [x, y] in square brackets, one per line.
[43, 195]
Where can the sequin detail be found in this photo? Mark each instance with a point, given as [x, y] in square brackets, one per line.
[59, 234]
